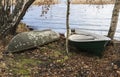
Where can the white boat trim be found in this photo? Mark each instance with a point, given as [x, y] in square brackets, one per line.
[82, 36]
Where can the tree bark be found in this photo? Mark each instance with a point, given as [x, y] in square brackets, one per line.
[25, 7]
[12, 20]
[114, 19]
[67, 24]
[11, 13]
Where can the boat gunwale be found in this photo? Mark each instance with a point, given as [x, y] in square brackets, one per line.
[89, 40]
[96, 36]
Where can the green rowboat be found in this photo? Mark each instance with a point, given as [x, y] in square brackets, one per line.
[86, 41]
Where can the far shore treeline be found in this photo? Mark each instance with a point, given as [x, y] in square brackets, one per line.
[41, 2]
[92, 1]
[79, 1]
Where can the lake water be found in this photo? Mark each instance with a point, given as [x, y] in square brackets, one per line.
[93, 18]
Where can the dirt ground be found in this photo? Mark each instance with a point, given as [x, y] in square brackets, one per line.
[51, 60]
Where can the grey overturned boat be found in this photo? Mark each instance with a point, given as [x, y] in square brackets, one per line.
[90, 42]
[28, 40]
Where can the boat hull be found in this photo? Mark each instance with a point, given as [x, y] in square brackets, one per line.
[93, 47]
[27, 40]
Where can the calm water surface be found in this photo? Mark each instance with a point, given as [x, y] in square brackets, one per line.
[93, 18]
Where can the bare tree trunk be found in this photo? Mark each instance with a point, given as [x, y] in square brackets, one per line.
[67, 23]
[11, 13]
[13, 19]
[114, 19]
[22, 13]
[1, 13]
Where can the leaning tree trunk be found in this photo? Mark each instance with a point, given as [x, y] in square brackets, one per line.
[11, 13]
[114, 19]
[11, 18]
[67, 23]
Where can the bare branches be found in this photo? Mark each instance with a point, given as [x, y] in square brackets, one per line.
[11, 13]
[46, 6]
[13, 19]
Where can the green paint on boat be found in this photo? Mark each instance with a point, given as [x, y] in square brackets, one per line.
[90, 42]
[96, 47]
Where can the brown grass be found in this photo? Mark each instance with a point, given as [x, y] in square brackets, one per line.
[92, 1]
[41, 2]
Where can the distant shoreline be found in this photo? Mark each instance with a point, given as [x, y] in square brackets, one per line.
[98, 2]
[93, 2]
[38, 2]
